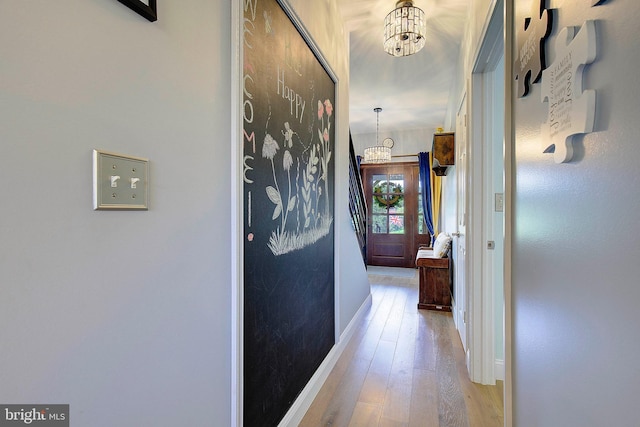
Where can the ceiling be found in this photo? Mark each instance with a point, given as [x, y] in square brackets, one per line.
[413, 91]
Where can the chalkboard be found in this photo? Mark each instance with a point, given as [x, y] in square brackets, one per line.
[288, 147]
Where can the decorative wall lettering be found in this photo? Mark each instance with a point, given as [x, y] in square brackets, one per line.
[571, 110]
[246, 169]
[530, 60]
[296, 102]
[247, 106]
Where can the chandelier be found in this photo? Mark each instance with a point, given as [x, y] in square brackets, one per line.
[377, 153]
[404, 29]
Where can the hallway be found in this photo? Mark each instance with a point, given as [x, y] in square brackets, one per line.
[403, 367]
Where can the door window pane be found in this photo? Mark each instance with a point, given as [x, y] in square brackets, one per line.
[380, 184]
[377, 206]
[422, 225]
[399, 205]
[379, 224]
[396, 224]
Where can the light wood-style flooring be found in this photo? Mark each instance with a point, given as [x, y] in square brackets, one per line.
[403, 367]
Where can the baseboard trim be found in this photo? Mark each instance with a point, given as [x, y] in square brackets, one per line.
[294, 416]
[499, 369]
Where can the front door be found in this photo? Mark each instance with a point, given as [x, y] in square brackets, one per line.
[395, 220]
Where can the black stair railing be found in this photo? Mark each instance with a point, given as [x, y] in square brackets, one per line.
[357, 203]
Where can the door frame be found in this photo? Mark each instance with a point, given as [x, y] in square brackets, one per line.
[497, 39]
[481, 328]
[509, 139]
[482, 290]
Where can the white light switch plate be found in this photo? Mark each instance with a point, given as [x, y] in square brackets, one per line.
[119, 181]
[499, 202]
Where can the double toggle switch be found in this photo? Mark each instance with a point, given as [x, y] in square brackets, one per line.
[133, 181]
[119, 181]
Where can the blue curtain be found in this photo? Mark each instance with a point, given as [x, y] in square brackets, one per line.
[425, 180]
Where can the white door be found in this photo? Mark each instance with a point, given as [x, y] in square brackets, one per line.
[459, 288]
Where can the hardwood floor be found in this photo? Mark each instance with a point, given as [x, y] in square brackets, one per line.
[403, 367]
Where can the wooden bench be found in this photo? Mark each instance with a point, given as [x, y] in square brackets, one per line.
[435, 280]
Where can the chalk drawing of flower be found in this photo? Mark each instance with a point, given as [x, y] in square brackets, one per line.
[329, 107]
[270, 147]
[282, 205]
[326, 148]
[305, 195]
[287, 160]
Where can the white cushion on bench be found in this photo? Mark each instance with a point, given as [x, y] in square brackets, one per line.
[425, 253]
[441, 245]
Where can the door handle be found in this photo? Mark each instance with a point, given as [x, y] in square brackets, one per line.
[457, 234]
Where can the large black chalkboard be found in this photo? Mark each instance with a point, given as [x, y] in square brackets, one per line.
[288, 146]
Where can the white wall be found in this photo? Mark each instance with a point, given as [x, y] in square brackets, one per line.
[574, 281]
[126, 316]
[575, 247]
[477, 20]
[123, 315]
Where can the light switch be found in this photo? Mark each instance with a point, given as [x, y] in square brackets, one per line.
[499, 202]
[120, 181]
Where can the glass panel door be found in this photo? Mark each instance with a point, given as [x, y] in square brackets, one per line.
[388, 204]
[391, 191]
